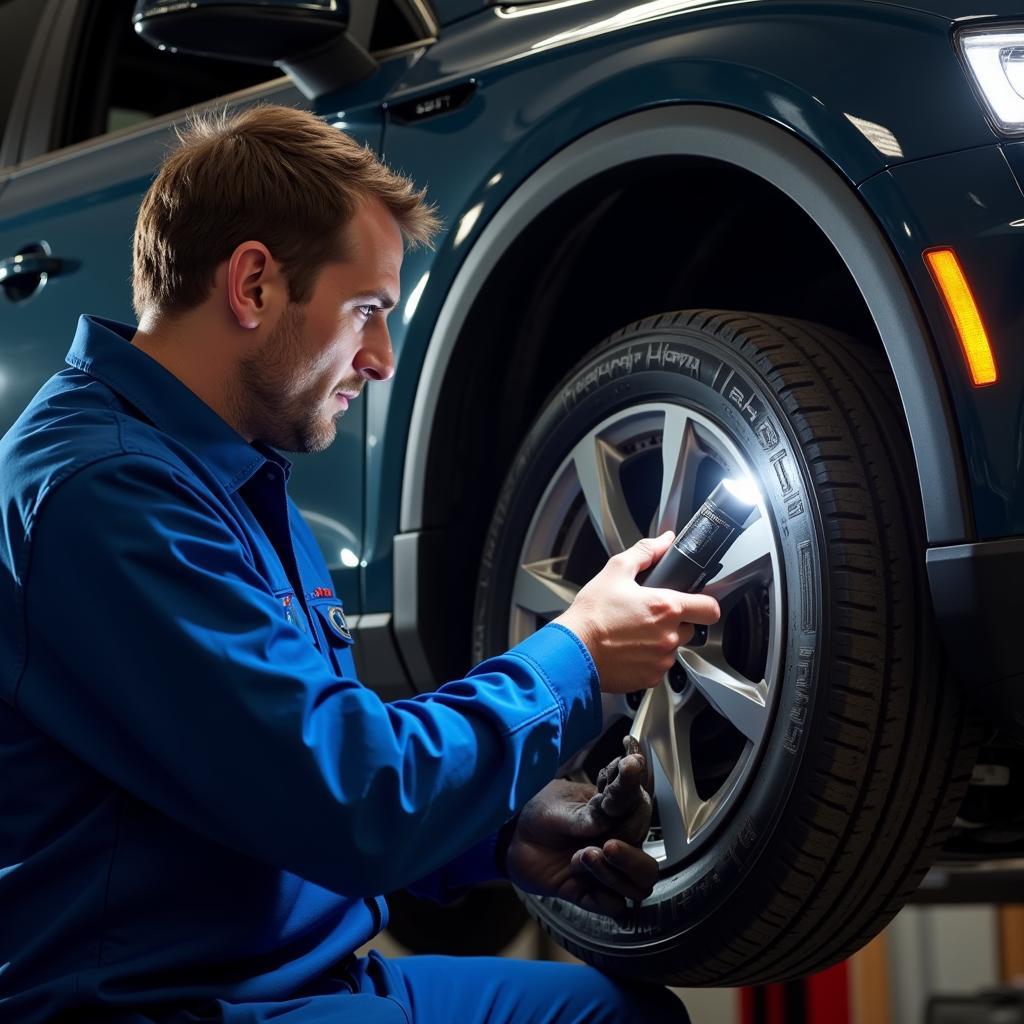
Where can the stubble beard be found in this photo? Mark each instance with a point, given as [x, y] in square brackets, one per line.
[276, 398]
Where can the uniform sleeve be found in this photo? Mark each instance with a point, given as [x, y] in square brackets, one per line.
[477, 864]
[158, 656]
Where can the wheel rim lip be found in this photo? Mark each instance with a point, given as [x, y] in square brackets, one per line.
[728, 453]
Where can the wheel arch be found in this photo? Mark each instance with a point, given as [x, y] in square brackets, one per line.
[713, 142]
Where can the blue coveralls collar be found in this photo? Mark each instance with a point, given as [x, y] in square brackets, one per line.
[102, 349]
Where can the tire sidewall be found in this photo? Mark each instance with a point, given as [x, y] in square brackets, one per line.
[719, 381]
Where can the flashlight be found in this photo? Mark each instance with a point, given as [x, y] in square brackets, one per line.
[694, 558]
[695, 554]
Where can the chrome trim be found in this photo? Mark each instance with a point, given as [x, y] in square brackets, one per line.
[798, 171]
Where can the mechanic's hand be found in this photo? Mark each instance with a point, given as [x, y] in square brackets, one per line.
[633, 632]
[581, 843]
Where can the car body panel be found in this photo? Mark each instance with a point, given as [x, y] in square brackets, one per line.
[961, 10]
[448, 11]
[584, 64]
[534, 97]
[971, 202]
[952, 10]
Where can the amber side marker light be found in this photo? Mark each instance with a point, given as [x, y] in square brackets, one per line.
[963, 311]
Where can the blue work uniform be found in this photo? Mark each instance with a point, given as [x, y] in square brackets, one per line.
[200, 803]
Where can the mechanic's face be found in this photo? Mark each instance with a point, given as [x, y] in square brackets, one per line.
[321, 353]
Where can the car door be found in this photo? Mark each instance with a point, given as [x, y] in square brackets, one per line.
[96, 132]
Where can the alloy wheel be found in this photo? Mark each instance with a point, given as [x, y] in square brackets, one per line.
[641, 471]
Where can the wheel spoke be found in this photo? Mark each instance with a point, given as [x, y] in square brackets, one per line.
[681, 458]
[656, 725]
[673, 788]
[540, 587]
[749, 560]
[742, 702]
[681, 810]
[597, 465]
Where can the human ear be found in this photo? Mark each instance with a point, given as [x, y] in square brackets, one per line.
[250, 271]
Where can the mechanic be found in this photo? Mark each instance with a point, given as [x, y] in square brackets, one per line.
[201, 803]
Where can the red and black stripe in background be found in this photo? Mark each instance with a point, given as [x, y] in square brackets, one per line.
[820, 999]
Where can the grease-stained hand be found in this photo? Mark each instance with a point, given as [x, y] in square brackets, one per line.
[582, 843]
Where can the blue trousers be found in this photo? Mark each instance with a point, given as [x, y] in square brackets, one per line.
[467, 990]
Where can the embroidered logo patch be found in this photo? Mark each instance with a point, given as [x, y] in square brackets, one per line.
[336, 617]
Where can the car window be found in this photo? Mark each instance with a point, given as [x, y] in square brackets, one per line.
[18, 22]
[117, 80]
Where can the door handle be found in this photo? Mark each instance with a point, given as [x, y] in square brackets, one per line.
[29, 265]
[23, 274]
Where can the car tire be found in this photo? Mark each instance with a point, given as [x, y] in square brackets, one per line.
[841, 771]
[482, 922]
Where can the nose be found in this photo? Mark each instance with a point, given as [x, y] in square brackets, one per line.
[375, 360]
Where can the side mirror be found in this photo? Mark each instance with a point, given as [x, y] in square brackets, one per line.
[321, 44]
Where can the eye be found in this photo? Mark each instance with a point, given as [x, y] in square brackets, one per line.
[366, 312]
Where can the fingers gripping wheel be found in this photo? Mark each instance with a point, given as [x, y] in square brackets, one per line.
[809, 752]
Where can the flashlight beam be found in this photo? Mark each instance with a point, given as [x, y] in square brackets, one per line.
[748, 561]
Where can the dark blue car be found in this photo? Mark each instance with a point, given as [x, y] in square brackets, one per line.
[685, 239]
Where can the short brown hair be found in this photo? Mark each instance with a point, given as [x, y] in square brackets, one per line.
[275, 174]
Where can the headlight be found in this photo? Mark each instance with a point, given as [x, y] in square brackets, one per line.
[996, 59]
